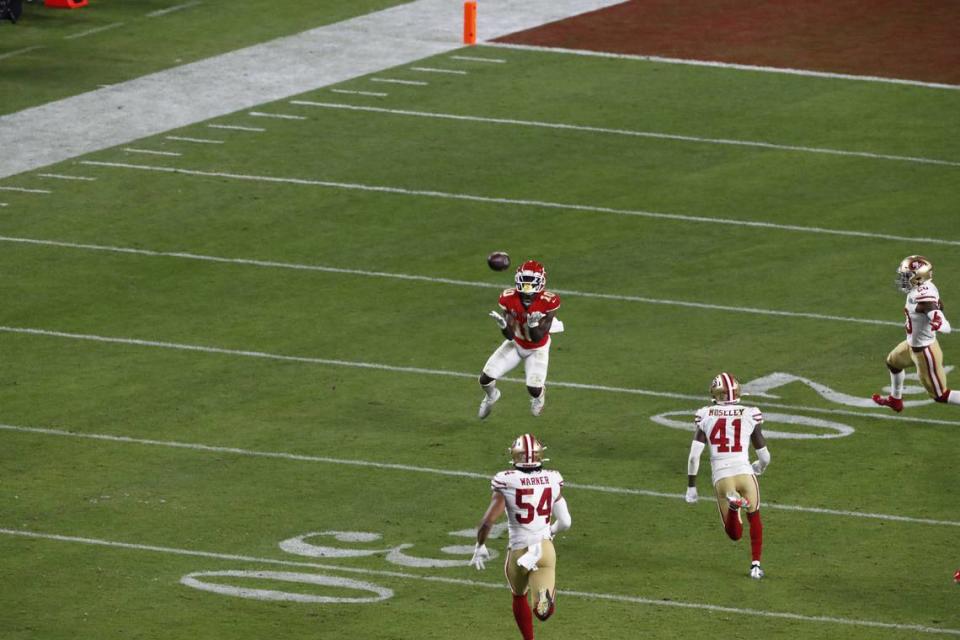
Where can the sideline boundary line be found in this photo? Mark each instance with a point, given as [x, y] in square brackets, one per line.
[722, 65]
[516, 202]
[419, 278]
[477, 583]
[173, 444]
[879, 414]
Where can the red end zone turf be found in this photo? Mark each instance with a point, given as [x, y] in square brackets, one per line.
[917, 40]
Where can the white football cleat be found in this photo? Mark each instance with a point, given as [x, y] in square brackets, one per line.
[536, 404]
[755, 571]
[737, 501]
[486, 406]
[544, 604]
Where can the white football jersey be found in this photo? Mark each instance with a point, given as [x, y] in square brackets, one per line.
[917, 325]
[530, 496]
[728, 428]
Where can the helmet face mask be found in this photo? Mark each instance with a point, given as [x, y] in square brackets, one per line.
[725, 389]
[526, 452]
[530, 281]
[912, 272]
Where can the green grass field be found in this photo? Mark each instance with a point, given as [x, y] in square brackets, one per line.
[265, 376]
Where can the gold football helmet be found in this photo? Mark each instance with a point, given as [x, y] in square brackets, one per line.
[912, 272]
[725, 389]
[527, 452]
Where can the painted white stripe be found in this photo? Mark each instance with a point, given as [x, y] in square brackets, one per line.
[179, 7]
[479, 59]
[4, 204]
[88, 32]
[416, 83]
[756, 224]
[150, 152]
[634, 133]
[440, 372]
[432, 280]
[723, 65]
[456, 473]
[24, 190]
[60, 176]
[17, 52]
[435, 70]
[375, 94]
[279, 116]
[476, 583]
[197, 140]
[236, 127]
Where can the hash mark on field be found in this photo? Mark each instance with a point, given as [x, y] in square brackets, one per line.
[236, 127]
[486, 585]
[417, 83]
[151, 152]
[431, 279]
[17, 52]
[88, 32]
[479, 59]
[631, 133]
[523, 202]
[376, 94]
[279, 116]
[435, 70]
[197, 140]
[879, 414]
[60, 176]
[24, 190]
[4, 204]
[163, 12]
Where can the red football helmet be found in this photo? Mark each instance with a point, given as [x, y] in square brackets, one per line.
[531, 280]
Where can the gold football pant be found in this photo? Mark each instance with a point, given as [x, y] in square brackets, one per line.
[543, 578]
[929, 364]
[744, 484]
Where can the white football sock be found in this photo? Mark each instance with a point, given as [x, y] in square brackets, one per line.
[896, 384]
[489, 388]
[954, 397]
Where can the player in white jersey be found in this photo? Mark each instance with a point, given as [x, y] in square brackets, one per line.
[730, 428]
[530, 495]
[924, 319]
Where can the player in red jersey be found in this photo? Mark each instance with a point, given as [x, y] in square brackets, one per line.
[528, 316]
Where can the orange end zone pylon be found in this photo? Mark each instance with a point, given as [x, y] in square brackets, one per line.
[469, 22]
[65, 4]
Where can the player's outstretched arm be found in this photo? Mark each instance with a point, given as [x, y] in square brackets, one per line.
[763, 454]
[538, 325]
[501, 324]
[496, 508]
[562, 520]
[697, 446]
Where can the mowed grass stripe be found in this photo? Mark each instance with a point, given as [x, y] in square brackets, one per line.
[656, 135]
[476, 583]
[473, 475]
[434, 280]
[676, 217]
[879, 414]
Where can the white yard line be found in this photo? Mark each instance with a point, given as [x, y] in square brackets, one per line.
[756, 224]
[150, 152]
[179, 7]
[455, 72]
[233, 557]
[416, 83]
[17, 52]
[630, 133]
[4, 204]
[479, 59]
[456, 473]
[197, 140]
[376, 94]
[420, 278]
[24, 190]
[264, 73]
[722, 65]
[236, 127]
[60, 176]
[89, 32]
[878, 414]
[277, 116]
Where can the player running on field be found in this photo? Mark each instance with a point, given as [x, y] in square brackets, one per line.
[530, 495]
[924, 319]
[730, 428]
[528, 316]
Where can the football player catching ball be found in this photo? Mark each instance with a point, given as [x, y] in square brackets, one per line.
[924, 319]
[528, 315]
[730, 428]
[530, 495]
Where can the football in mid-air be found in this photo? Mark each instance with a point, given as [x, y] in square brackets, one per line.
[498, 260]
